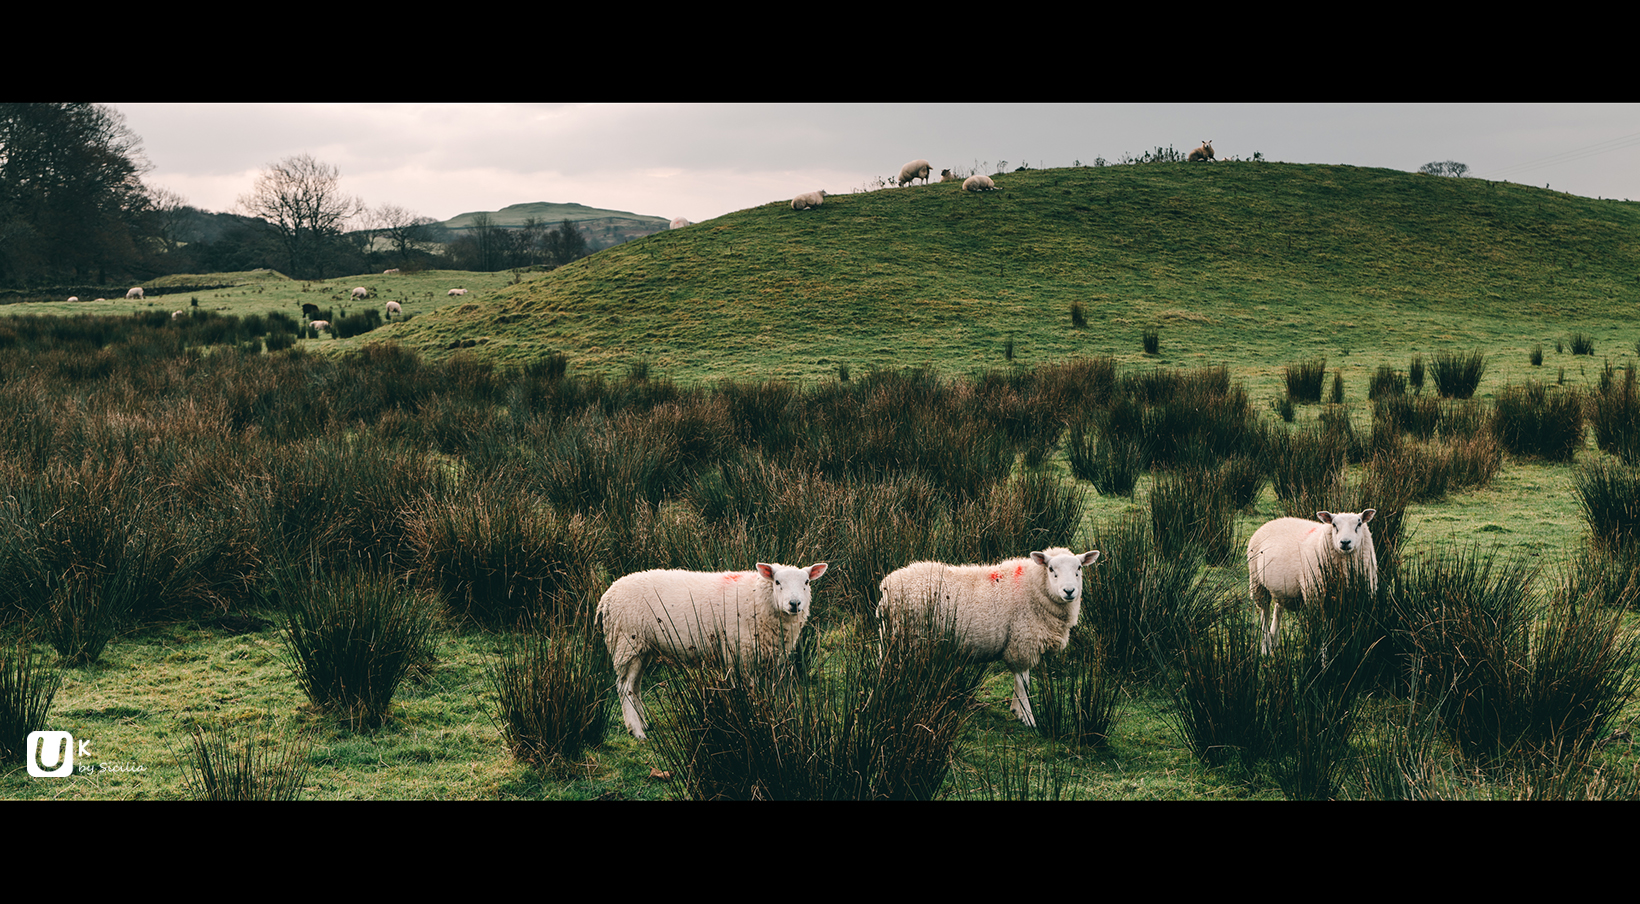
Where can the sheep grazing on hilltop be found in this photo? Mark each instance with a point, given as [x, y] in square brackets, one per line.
[134, 292]
[978, 183]
[948, 176]
[916, 169]
[1288, 560]
[679, 223]
[1014, 611]
[360, 292]
[393, 308]
[732, 616]
[808, 199]
[456, 292]
[1203, 154]
[387, 272]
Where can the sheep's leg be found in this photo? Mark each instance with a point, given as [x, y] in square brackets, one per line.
[627, 676]
[1273, 639]
[1022, 701]
[1262, 601]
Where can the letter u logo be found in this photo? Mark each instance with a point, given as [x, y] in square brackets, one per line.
[50, 754]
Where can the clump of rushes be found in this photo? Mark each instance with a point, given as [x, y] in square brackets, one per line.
[1415, 373]
[1078, 698]
[1304, 380]
[1386, 381]
[552, 688]
[28, 684]
[248, 762]
[1582, 344]
[1537, 355]
[1079, 317]
[1615, 415]
[1337, 397]
[352, 636]
[1153, 341]
[1530, 420]
[1457, 375]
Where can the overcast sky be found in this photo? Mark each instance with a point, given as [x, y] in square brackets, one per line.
[702, 160]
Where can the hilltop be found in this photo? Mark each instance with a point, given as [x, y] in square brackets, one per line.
[602, 227]
[1235, 261]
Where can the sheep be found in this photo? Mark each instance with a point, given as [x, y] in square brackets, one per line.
[916, 169]
[134, 292]
[389, 272]
[1014, 611]
[978, 183]
[360, 292]
[1204, 154]
[319, 324]
[691, 615]
[948, 176]
[394, 307]
[73, 298]
[456, 292]
[176, 315]
[1288, 558]
[310, 310]
[808, 199]
[679, 223]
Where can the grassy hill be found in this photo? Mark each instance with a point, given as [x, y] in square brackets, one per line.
[1250, 264]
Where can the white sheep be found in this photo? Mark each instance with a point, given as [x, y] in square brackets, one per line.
[388, 272]
[456, 292]
[916, 169]
[319, 324]
[361, 292]
[978, 183]
[692, 615]
[176, 315]
[808, 199]
[394, 307]
[1014, 611]
[73, 298]
[134, 292]
[948, 176]
[679, 223]
[1203, 154]
[1287, 558]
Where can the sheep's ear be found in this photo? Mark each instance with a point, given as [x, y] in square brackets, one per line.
[765, 569]
[1090, 557]
[1367, 515]
[1325, 517]
[1039, 558]
[816, 570]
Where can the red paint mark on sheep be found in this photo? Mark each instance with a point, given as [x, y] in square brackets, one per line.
[732, 576]
[1019, 572]
[995, 576]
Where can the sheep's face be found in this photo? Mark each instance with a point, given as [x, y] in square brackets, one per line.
[1349, 530]
[1065, 573]
[791, 585]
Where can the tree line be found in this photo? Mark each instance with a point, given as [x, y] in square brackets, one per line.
[75, 211]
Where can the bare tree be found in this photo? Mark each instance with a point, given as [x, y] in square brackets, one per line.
[302, 200]
[403, 229]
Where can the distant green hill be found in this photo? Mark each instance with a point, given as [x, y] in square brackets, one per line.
[603, 227]
[1248, 263]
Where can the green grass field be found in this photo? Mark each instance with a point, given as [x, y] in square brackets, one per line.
[1252, 266]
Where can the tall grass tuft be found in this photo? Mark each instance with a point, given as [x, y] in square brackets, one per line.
[1609, 495]
[875, 729]
[1139, 611]
[1304, 380]
[1536, 357]
[27, 687]
[1415, 373]
[1112, 466]
[1457, 375]
[1079, 316]
[1152, 341]
[1078, 697]
[1531, 421]
[1614, 412]
[553, 691]
[1192, 513]
[352, 636]
[1337, 396]
[251, 762]
[1582, 344]
[1386, 381]
[1220, 703]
